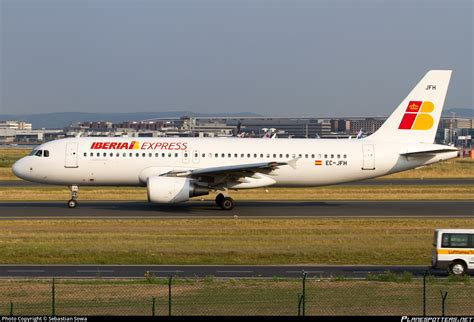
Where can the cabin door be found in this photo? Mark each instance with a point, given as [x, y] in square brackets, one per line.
[368, 157]
[71, 155]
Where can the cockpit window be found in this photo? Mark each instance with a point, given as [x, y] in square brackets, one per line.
[40, 153]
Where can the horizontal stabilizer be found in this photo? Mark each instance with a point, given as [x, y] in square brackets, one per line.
[428, 151]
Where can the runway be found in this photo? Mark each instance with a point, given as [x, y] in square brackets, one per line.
[243, 209]
[223, 271]
[371, 182]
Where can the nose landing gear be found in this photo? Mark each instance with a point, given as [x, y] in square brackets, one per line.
[72, 203]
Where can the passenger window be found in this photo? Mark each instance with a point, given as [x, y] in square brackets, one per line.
[185, 154]
[85, 154]
[150, 155]
[229, 155]
[156, 155]
[176, 155]
[281, 155]
[236, 155]
[124, 154]
[204, 155]
[338, 156]
[169, 155]
[248, 155]
[137, 154]
[223, 155]
[300, 155]
[325, 156]
[98, 154]
[111, 154]
[261, 156]
[117, 154]
[92, 154]
[104, 154]
[130, 154]
[345, 156]
[163, 155]
[216, 155]
[255, 155]
[332, 156]
[274, 155]
[287, 155]
[312, 156]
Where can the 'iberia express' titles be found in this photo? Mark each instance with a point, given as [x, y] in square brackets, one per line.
[135, 145]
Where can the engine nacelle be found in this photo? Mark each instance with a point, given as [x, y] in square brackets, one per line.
[172, 189]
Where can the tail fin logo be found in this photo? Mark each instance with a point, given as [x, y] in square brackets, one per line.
[417, 116]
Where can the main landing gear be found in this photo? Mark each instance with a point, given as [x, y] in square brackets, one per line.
[72, 203]
[226, 203]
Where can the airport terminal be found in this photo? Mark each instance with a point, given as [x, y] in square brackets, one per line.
[451, 130]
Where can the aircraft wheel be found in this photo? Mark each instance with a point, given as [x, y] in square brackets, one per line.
[219, 199]
[72, 203]
[227, 203]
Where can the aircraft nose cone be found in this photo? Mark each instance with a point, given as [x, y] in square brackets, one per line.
[20, 169]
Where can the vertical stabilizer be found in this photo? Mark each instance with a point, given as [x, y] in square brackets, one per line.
[416, 119]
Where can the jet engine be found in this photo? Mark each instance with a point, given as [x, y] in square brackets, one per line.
[171, 190]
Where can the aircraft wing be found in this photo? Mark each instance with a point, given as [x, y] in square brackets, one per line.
[241, 170]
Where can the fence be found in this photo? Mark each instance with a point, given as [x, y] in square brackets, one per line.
[386, 294]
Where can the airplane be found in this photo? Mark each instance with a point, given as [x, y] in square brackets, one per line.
[269, 133]
[176, 169]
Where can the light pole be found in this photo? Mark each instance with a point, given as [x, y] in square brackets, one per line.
[451, 130]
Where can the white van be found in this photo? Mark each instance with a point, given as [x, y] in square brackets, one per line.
[453, 250]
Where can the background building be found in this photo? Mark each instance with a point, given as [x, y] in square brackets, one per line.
[451, 130]
[15, 125]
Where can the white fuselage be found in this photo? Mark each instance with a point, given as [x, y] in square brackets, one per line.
[115, 162]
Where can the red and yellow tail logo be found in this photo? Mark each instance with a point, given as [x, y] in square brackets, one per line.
[417, 116]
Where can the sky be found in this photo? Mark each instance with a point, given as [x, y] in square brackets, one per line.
[277, 58]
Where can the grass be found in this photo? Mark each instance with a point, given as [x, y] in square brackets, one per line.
[234, 297]
[454, 168]
[9, 156]
[388, 192]
[222, 241]
[7, 174]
